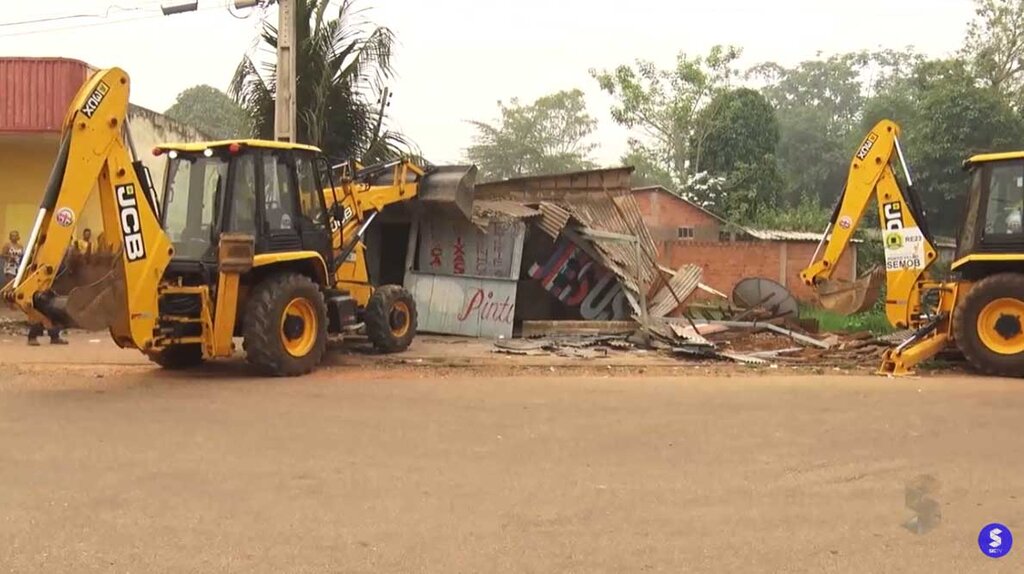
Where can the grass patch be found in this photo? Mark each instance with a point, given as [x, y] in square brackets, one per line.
[873, 320]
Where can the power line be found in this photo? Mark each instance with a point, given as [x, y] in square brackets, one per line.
[104, 14]
[105, 22]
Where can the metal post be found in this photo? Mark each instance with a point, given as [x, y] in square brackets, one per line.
[284, 104]
[640, 283]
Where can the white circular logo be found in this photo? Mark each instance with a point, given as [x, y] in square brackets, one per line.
[65, 217]
[845, 222]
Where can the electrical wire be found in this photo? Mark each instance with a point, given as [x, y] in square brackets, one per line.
[104, 14]
[107, 22]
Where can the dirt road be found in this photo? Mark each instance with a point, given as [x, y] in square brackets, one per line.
[124, 468]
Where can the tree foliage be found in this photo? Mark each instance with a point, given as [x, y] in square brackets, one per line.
[210, 111]
[548, 136]
[739, 142]
[666, 109]
[343, 63]
[994, 47]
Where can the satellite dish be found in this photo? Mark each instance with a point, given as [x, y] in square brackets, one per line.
[767, 294]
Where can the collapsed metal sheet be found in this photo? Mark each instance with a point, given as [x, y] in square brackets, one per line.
[683, 283]
[553, 219]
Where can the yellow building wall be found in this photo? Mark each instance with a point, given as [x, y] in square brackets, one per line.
[25, 164]
[27, 158]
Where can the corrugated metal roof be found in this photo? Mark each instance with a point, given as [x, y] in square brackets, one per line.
[779, 235]
[36, 92]
[490, 208]
[553, 219]
[618, 215]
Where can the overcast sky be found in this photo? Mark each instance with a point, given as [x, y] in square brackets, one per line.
[457, 58]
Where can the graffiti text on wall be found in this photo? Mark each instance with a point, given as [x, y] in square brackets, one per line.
[577, 280]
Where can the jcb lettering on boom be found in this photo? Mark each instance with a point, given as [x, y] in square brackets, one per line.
[95, 99]
[893, 216]
[131, 226]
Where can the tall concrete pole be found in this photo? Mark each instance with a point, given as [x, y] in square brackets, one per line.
[284, 105]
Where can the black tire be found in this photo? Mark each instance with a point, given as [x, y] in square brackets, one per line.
[179, 357]
[1004, 326]
[273, 343]
[390, 319]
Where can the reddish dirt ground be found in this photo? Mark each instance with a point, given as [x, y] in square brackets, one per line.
[438, 464]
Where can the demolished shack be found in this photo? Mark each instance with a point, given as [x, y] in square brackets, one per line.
[569, 246]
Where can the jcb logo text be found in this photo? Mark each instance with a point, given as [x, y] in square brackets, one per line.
[131, 225]
[893, 213]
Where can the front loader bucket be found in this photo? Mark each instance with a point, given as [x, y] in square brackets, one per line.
[450, 188]
[852, 297]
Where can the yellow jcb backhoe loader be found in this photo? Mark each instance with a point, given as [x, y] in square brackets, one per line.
[981, 312]
[250, 238]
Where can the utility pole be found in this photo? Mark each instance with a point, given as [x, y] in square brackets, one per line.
[284, 104]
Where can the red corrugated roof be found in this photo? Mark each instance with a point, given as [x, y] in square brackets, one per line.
[35, 92]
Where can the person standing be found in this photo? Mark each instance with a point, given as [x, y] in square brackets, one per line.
[12, 253]
[84, 246]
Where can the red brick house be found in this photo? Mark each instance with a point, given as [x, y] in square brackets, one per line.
[687, 233]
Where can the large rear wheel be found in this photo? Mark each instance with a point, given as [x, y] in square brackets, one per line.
[390, 319]
[285, 325]
[988, 325]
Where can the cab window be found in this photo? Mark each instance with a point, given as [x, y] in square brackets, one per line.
[310, 195]
[1005, 199]
[278, 194]
[242, 218]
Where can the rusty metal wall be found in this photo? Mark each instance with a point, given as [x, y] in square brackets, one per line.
[466, 306]
[35, 92]
[450, 247]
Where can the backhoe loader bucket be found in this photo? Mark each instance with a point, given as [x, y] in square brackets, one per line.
[852, 297]
[93, 296]
[450, 188]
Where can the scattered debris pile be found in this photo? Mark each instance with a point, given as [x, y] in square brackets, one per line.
[757, 342]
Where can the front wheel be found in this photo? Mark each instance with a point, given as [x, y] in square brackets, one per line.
[988, 325]
[390, 319]
[285, 325]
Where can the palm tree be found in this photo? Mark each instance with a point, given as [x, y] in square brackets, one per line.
[342, 64]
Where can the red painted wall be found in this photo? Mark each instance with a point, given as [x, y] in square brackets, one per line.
[664, 214]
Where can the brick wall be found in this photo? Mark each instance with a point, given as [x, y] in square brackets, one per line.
[725, 264]
[665, 214]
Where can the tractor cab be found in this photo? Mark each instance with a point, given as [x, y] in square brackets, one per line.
[271, 191]
[991, 235]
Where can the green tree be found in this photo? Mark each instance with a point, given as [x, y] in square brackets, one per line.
[817, 104]
[210, 111]
[739, 146]
[343, 63]
[548, 136]
[820, 105]
[995, 47]
[665, 107]
[957, 118]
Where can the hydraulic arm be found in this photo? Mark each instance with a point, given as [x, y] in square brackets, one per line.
[93, 155]
[909, 249]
